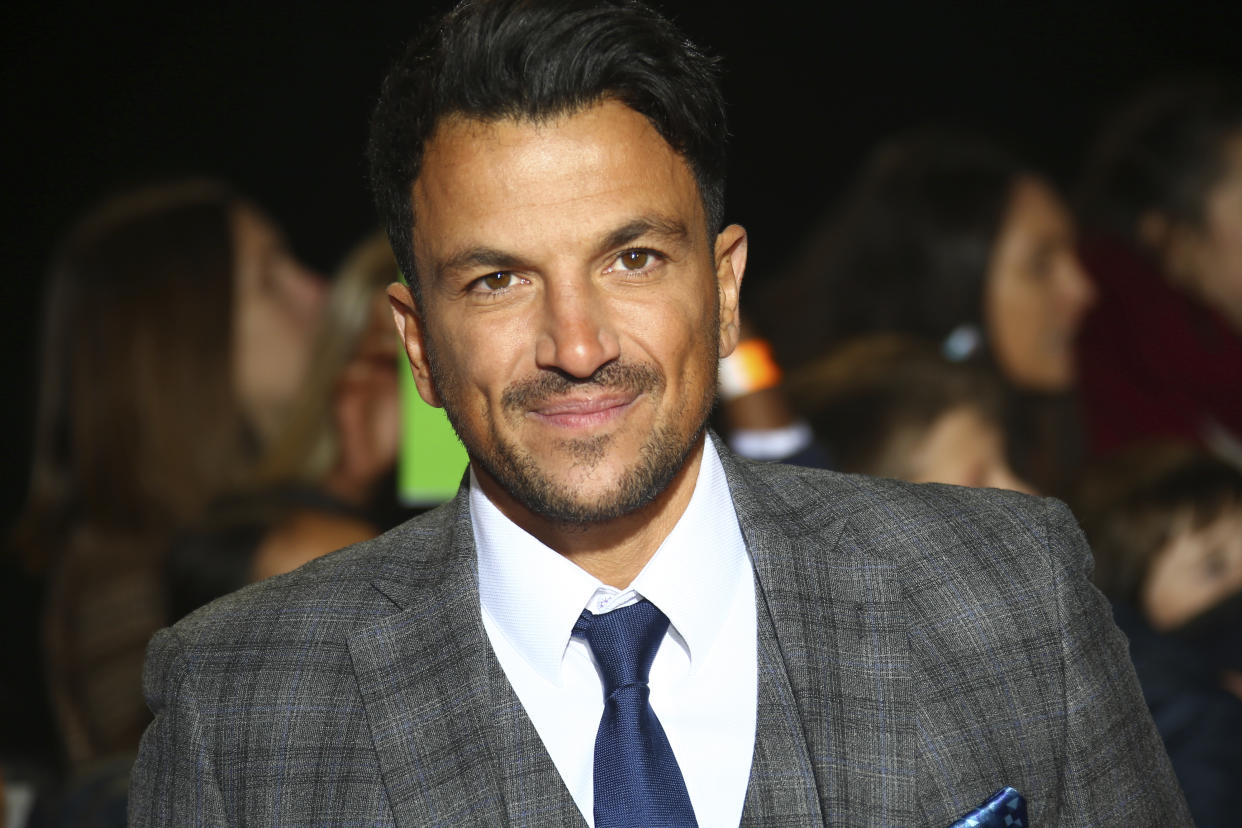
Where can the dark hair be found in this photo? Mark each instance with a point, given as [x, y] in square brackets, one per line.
[1162, 152]
[908, 251]
[1131, 503]
[536, 60]
[863, 396]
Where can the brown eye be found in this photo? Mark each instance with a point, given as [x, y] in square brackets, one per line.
[497, 281]
[635, 259]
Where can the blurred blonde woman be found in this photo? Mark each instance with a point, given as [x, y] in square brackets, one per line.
[317, 487]
[343, 439]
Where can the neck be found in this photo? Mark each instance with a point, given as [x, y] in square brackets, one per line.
[615, 550]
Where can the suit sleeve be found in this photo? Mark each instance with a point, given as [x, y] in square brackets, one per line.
[174, 780]
[1114, 767]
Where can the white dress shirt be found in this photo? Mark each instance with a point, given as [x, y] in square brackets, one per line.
[704, 681]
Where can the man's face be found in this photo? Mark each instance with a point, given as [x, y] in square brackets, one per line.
[573, 308]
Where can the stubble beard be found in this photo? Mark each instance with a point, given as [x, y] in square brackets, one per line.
[518, 471]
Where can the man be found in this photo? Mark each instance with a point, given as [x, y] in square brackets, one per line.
[615, 620]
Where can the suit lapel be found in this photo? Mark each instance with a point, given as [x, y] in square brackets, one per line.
[839, 628]
[455, 745]
[423, 676]
[782, 788]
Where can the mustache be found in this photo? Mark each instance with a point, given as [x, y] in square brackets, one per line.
[633, 377]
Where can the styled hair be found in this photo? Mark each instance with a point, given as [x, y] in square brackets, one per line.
[908, 251]
[865, 396]
[536, 60]
[1162, 152]
[1131, 503]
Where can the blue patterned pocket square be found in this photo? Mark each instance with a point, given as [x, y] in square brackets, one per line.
[1004, 809]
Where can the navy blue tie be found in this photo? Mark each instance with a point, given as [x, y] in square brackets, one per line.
[637, 780]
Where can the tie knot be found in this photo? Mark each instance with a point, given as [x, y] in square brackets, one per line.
[624, 642]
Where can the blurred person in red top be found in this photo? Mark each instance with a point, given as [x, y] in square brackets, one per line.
[1161, 354]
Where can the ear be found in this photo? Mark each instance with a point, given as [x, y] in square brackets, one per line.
[410, 328]
[730, 265]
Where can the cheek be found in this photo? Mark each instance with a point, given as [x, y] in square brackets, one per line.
[255, 342]
[1028, 331]
[1220, 250]
[1175, 591]
[474, 361]
[671, 330]
[1013, 315]
[1227, 252]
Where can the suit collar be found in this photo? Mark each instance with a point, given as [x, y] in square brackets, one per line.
[435, 548]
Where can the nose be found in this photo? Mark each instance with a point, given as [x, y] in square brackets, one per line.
[577, 334]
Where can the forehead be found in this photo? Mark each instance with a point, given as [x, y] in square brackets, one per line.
[522, 183]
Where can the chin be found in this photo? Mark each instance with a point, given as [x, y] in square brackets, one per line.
[563, 495]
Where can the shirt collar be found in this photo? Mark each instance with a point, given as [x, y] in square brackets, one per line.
[534, 595]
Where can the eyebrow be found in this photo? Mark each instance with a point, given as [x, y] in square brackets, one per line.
[482, 258]
[493, 259]
[654, 225]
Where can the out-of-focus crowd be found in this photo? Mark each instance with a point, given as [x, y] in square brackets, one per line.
[212, 413]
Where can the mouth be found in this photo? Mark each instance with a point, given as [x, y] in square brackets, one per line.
[580, 412]
[569, 405]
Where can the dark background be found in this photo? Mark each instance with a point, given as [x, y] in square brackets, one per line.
[103, 95]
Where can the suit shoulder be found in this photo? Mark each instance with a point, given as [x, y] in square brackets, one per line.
[338, 589]
[806, 497]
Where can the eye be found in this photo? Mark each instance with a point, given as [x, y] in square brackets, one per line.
[635, 261]
[494, 282]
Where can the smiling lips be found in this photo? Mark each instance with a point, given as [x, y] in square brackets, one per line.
[554, 399]
[584, 412]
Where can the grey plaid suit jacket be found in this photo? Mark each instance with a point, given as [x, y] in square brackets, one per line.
[919, 648]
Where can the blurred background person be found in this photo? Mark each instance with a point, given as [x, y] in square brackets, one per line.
[1161, 353]
[343, 435]
[949, 239]
[327, 480]
[1165, 523]
[894, 406]
[178, 329]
